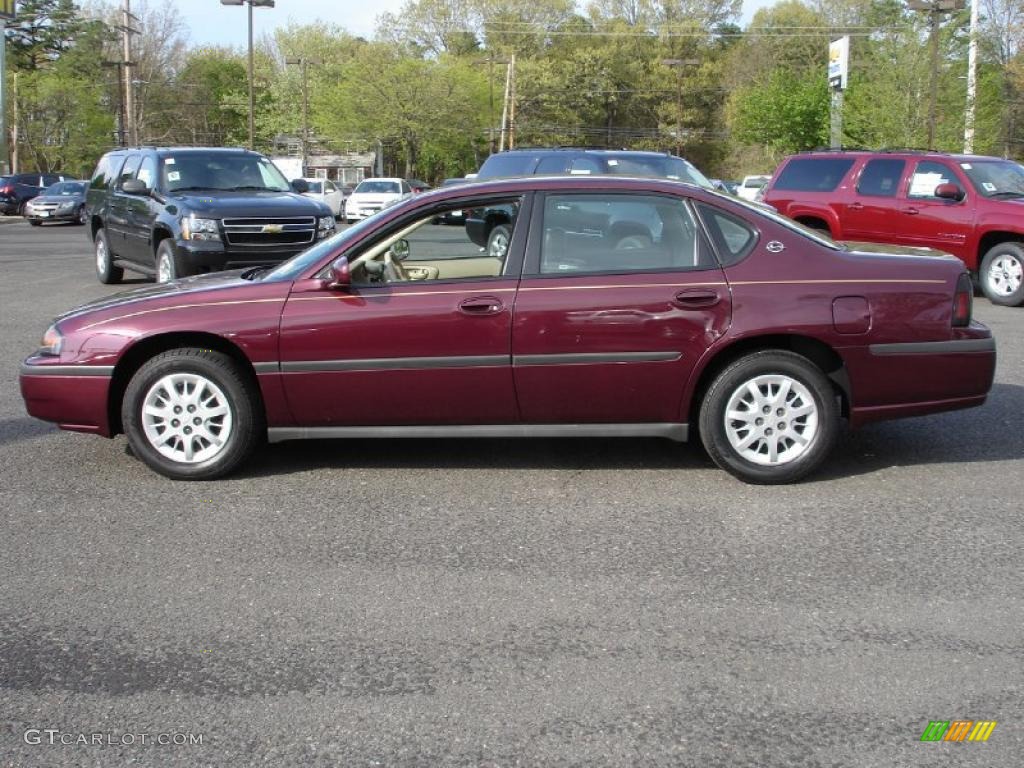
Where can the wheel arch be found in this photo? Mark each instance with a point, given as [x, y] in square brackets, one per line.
[814, 221]
[993, 238]
[160, 233]
[816, 351]
[133, 358]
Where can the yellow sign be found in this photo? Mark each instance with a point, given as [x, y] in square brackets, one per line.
[7, 9]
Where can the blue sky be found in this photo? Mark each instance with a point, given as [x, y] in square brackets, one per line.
[209, 22]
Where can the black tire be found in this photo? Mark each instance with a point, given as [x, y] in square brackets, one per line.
[1002, 274]
[106, 272]
[35, 223]
[498, 241]
[247, 425]
[82, 218]
[732, 382]
[167, 257]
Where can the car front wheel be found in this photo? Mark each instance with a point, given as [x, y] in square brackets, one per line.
[192, 414]
[498, 242]
[106, 272]
[1002, 274]
[168, 265]
[770, 417]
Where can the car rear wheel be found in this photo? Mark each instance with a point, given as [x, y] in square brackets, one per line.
[770, 417]
[35, 223]
[168, 265]
[1002, 274]
[107, 273]
[192, 414]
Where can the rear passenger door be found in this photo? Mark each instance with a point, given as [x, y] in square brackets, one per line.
[620, 297]
[871, 212]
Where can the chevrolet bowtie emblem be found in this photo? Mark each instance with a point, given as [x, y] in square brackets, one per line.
[273, 229]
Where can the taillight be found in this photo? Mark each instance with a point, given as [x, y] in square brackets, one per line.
[963, 300]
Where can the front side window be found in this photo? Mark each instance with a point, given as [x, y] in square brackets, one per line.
[147, 172]
[618, 233]
[417, 251]
[131, 165]
[927, 176]
[880, 178]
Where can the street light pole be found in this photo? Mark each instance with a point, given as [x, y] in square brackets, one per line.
[252, 96]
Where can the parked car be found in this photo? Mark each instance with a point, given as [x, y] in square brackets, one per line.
[327, 192]
[967, 205]
[418, 186]
[63, 201]
[373, 195]
[749, 187]
[181, 211]
[18, 188]
[635, 307]
[489, 227]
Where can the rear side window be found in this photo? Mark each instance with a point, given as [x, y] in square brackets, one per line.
[733, 237]
[553, 164]
[880, 178]
[813, 174]
[506, 165]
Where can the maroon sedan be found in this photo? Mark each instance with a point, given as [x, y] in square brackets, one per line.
[632, 307]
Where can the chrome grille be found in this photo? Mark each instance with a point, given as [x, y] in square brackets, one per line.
[270, 231]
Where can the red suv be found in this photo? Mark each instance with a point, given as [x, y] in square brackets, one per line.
[966, 205]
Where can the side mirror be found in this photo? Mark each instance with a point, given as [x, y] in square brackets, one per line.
[300, 185]
[339, 276]
[949, 192]
[134, 187]
[400, 250]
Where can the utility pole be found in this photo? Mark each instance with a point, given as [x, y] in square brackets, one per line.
[504, 108]
[972, 81]
[934, 9]
[252, 96]
[512, 107]
[302, 62]
[6, 14]
[678, 65]
[120, 132]
[131, 130]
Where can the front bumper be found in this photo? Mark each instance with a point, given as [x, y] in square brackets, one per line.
[203, 256]
[73, 396]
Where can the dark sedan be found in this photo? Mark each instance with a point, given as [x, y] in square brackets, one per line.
[622, 306]
[64, 201]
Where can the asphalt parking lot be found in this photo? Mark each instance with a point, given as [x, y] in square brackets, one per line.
[504, 603]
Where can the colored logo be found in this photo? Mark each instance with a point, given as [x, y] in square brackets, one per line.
[958, 730]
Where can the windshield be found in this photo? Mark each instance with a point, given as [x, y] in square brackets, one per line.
[300, 262]
[377, 187]
[220, 171]
[995, 178]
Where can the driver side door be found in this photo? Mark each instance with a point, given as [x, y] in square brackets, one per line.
[427, 342]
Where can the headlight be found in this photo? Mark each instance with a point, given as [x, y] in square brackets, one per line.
[199, 229]
[68, 206]
[52, 342]
[325, 225]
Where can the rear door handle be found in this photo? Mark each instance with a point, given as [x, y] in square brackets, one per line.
[696, 298]
[855, 206]
[481, 305]
[911, 211]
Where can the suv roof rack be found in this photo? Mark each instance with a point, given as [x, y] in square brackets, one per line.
[909, 151]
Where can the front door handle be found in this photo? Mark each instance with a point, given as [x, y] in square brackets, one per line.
[696, 298]
[911, 211]
[480, 305]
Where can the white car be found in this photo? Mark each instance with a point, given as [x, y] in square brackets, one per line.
[327, 192]
[750, 185]
[374, 194]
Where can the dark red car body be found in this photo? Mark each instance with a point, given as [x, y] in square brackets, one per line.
[639, 348]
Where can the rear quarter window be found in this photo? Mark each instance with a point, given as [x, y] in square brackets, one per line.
[103, 176]
[813, 174]
[733, 238]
